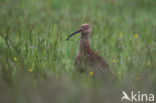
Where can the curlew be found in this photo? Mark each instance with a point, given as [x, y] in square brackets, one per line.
[85, 57]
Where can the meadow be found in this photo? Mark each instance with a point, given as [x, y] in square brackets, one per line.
[37, 63]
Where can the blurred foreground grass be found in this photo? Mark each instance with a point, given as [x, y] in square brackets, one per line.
[36, 63]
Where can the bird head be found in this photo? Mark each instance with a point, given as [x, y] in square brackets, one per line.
[85, 31]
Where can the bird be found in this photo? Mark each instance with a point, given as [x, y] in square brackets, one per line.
[86, 57]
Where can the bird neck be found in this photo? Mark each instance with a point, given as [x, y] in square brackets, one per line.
[83, 44]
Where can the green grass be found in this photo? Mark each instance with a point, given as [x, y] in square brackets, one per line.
[34, 31]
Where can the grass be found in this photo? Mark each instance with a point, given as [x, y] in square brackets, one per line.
[36, 63]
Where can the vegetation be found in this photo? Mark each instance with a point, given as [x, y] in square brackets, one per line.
[37, 64]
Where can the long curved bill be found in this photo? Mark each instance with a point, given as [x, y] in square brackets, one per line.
[73, 34]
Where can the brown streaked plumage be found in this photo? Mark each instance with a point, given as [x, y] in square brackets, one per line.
[86, 57]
